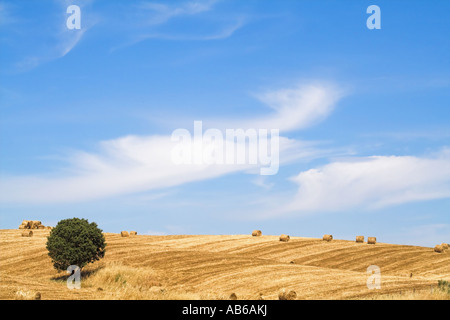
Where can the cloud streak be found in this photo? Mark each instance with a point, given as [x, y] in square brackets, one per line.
[226, 32]
[139, 163]
[157, 13]
[65, 43]
[151, 20]
[295, 108]
[122, 166]
[59, 43]
[371, 183]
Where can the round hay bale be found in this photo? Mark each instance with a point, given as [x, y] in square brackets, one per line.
[291, 295]
[360, 239]
[284, 238]
[41, 226]
[48, 228]
[327, 237]
[438, 248]
[444, 245]
[233, 296]
[133, 233]
[27, 233]
[22, 226]
[124, 234]
[371, 240]
[256, 233]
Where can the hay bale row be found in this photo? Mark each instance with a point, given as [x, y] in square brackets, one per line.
[128, 234]
[283, 237]
[326, 237]
[359, 239]
[370, 240]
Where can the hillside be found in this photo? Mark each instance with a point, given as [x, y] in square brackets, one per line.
[214, 266]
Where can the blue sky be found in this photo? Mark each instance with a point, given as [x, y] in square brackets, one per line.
[86, 116]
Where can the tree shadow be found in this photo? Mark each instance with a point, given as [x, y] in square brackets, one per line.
[85, 273]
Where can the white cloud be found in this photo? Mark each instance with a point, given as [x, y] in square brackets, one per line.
[125, 165]
[140, 163]
[122, 166]
[295, 108]
[300, 107]
[372, 182]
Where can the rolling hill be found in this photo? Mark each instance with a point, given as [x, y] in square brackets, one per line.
[214, 266]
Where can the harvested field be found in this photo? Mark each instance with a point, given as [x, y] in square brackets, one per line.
[214, 267]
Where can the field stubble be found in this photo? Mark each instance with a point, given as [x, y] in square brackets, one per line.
[214, 266]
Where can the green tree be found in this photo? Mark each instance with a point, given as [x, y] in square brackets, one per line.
[75, 242]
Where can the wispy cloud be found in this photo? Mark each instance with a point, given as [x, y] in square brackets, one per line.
[136, 23]
[133, 164]
[148, 18]
[226, 32]
[158, 13]
[61, 41]
[122, 166]
[65, 42]
[293, 108]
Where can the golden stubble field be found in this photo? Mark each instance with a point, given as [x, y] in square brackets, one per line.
[214, 266]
